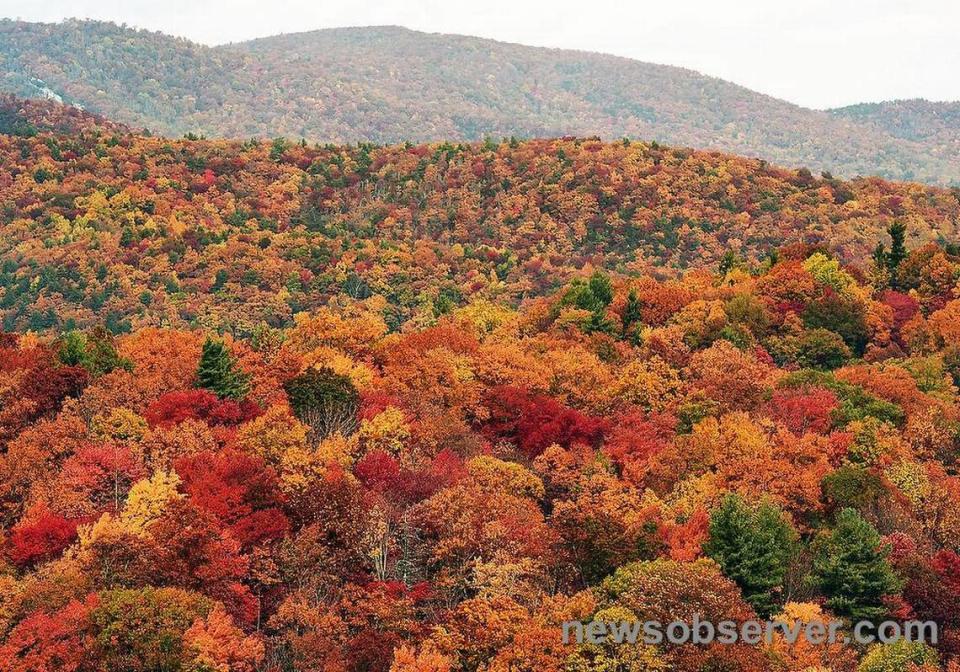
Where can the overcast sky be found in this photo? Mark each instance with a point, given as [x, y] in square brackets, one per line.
[818, 53]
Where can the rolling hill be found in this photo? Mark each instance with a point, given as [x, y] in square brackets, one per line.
[268, 405]
[936, 124]
[388, 84]
[101, 223]
[285, 406]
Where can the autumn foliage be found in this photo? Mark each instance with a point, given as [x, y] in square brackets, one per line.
[369, 475]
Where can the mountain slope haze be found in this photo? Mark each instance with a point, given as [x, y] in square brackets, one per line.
[389, 84]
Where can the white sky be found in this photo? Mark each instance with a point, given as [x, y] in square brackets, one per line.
[818, 53]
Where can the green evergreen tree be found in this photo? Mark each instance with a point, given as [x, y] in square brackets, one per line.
[888, 263]
[278, 148]
[898, 249]
[850, 568]
[594, 295]
[727, 263]
[754, 547]
[600, 290]
[73, 349]
[127, 237]
[631, 313]
[218, 372]
[880, 256]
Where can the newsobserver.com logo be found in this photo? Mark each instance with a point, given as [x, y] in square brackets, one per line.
[699, 631]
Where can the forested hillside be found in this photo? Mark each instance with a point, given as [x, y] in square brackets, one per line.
[273, 406]
[910, 119]
[936, 124]
[393, 85]
[103, 224]
[334, 497]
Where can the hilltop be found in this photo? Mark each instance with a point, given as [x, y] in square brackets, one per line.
[389, 84]
[936, 124]
[104, 223]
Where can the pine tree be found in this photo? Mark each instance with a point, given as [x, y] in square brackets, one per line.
[754, 547]
[898, 249]
[73, 349]
[897, 253]
[727, 263]
[850, 567]
[887, 264]
[631, 313]
[600, 290]
[880, 256]
[218, 372]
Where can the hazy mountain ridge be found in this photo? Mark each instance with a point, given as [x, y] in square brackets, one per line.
[936, 124]
[388, 84]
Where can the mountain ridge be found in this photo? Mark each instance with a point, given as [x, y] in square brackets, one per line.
[392, 84]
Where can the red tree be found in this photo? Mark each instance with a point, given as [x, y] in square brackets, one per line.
[195, 552]
[803, 410]
[534, 422]
[43, 537]
[239, 490]
[175, 407]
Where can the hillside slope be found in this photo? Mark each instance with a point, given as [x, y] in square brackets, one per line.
[100, 223]
[391, 84]
[936, 124]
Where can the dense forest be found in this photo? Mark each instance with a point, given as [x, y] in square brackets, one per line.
[918, 120]
[273, 406]
[339, 496]
[393, 85]
[105, 226]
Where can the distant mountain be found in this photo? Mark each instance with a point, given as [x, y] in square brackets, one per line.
[390, 84]
[936, 125]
